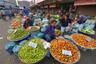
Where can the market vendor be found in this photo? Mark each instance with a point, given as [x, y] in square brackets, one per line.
[27, 22]
[64, 21]
[48, 32]
[77, 23]
[81, 18]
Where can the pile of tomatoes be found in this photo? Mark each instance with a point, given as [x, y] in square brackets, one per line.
[15, 23]
[83, 41]
[57, 45]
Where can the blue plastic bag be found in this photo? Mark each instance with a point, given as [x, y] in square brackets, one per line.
[10, 44]
[16, 49]
[9, 47]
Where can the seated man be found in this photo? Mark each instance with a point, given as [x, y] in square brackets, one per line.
[48, 32]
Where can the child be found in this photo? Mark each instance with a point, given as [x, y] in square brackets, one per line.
[48, 32]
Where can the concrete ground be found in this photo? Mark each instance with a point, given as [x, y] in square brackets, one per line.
[87, 57]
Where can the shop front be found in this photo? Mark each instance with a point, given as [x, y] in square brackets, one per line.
[86, 7]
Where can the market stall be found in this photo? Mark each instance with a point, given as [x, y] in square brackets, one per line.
[26, 44]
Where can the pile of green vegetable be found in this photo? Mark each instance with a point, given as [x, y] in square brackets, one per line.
[28, 55]
[88, 31]
[55, 16]
[18, 34]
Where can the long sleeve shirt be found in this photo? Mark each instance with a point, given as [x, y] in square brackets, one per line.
[64, 22]
[50, 30]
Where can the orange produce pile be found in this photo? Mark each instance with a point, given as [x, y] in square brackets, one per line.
[58, 45]
[15, 24]
[81, 40]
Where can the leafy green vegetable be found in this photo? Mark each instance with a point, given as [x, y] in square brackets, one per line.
[27, 54]
[55, 16]
[18, 34]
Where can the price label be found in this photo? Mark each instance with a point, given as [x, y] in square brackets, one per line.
[66, 52]
[33, 45]
[46, 45]
[89, 39]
